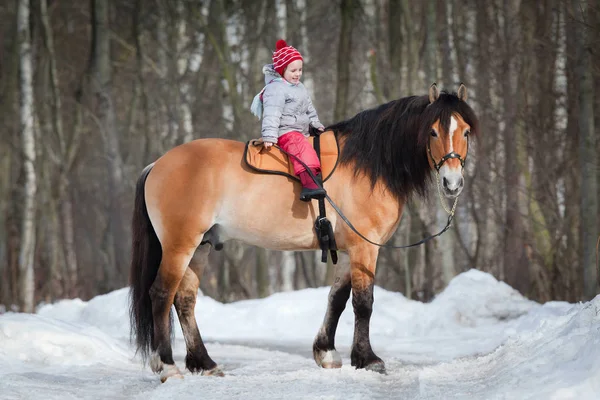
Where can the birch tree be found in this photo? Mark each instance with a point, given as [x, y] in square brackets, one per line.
[27, 249]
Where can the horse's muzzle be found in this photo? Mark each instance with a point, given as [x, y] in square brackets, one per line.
[452, 186]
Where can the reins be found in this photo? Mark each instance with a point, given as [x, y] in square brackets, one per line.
[450, 211]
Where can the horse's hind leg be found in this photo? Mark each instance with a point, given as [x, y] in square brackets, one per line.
[324, 351]
[162, 293]
[197, 358]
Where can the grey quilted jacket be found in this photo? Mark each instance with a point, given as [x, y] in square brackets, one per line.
[287, 107]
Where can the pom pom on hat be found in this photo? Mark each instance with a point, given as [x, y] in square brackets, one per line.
[280, 44]
[284, 55]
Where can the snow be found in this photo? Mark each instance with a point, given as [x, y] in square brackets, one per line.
[478, 339]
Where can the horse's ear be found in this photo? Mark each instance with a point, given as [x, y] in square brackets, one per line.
[434, 93]
[462, 92]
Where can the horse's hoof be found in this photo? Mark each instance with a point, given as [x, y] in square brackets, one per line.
[216, 371]
[170, 371]
[328, 359]
[156, 365]
[377, 366]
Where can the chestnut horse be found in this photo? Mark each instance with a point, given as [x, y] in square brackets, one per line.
[201, 193]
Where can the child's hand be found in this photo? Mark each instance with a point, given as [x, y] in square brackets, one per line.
[267, 144]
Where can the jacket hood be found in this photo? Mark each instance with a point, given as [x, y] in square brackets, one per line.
[270, 73]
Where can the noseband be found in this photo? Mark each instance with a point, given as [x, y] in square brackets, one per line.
[447, 157]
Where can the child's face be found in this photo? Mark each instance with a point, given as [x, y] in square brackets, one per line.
[293, 72]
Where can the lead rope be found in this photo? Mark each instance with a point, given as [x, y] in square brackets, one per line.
[345, 219]
[443, 201]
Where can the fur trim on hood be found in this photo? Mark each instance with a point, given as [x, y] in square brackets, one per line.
[270, 73]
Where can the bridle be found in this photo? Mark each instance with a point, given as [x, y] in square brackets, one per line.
[438, 166]
[447, 157]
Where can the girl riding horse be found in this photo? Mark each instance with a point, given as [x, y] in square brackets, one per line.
[194, 198]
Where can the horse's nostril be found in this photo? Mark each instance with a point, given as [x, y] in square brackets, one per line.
[445, 181]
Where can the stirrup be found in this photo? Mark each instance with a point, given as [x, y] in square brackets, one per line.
[309, 194]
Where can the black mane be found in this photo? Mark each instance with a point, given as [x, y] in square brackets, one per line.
[390, 141]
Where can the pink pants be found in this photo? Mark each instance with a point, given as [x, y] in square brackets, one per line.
[296, 144]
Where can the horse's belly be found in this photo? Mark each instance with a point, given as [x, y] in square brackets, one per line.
[271, 238]
[281, 224]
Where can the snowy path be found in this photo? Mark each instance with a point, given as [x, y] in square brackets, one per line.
[478, 340]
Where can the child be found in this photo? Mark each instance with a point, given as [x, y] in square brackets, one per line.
[288, 112]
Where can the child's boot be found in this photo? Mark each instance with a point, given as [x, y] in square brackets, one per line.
[310, 189]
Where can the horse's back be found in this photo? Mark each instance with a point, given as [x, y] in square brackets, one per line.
[205, 182]
[201, 152]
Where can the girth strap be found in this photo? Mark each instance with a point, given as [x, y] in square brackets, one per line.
[323, 227]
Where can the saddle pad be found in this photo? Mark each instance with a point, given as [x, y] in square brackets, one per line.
[273, 161]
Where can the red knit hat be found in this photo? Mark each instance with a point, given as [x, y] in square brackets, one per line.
[284, 55]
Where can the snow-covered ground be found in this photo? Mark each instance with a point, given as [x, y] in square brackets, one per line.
[479, 339]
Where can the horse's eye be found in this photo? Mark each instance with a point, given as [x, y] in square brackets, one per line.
[433, 133]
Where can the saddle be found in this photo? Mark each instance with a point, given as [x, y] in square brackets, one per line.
[273, 161]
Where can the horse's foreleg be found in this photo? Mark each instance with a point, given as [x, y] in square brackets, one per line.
[162, 294]
[324, 351]
[362, 270]
[197, 359]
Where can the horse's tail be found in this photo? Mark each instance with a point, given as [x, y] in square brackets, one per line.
[145, 260]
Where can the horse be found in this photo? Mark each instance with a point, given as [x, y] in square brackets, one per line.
[201, 193]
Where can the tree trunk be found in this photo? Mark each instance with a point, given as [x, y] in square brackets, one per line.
[270, 32]
[515, 272]
[395, 43]
[185, 113]
[67, 151]
[405, 254]
[440, 254]
[459, 22]
[587, 152]
[293, 34]
[413, 37]
[217, 37]
[445, 49]
[430, 56]
[262, 273]
[28, 226]
[68, 233]
[9, 163]
[223, 281]
[101, 75]
[288, 269]
[572, 187]
[5, 164]
[348, 10]
[482, 186]
[253, 21]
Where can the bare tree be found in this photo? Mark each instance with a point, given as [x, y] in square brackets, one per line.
[10, 159]
[349, 10]
[395, 42]
[28, 226]
[67, 150]
[515, 272]
[587, 150]
[100, 101]
[481, 191]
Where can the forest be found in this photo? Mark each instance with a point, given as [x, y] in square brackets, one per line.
[93, 91]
